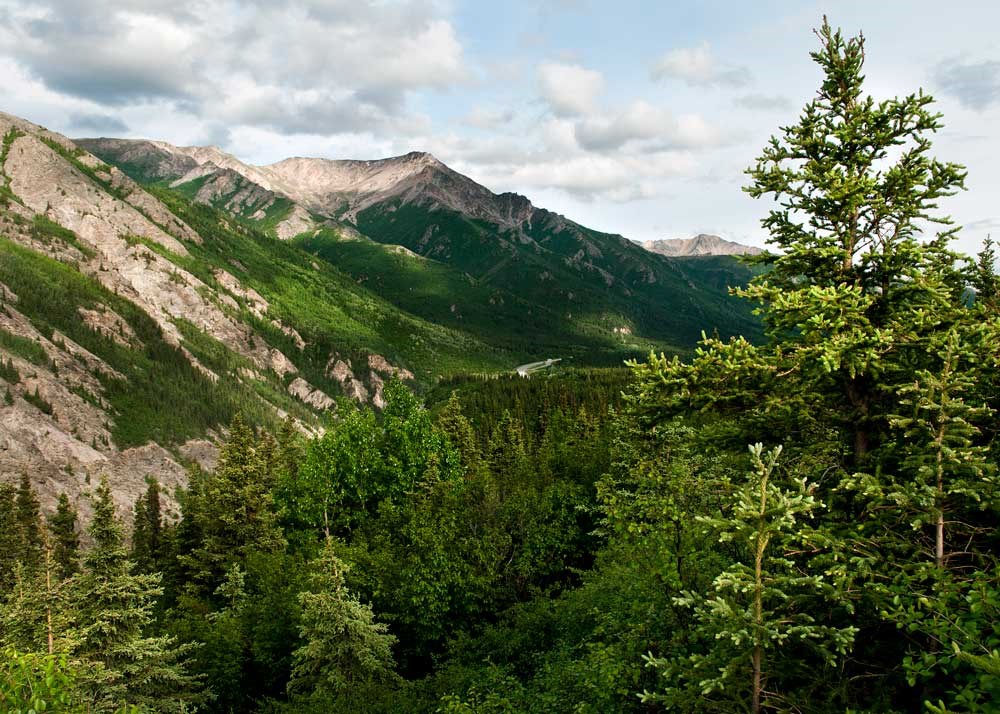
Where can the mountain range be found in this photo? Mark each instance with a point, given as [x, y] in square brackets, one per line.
[150, 292]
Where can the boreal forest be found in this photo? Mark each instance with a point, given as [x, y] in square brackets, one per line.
[801, 520]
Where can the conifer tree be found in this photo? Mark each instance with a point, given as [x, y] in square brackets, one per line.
[457, 428]
[66, 541]
[343, 645]
[29, 525]
[508, 452]
[756, 605]
[234, 510]
[859, 305]
[147, 531]
[10, 537]
[38, 613]
[114, 608]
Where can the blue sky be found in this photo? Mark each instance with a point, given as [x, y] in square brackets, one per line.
[630, 117]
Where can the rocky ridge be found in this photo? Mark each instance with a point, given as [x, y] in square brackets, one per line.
[701, 244]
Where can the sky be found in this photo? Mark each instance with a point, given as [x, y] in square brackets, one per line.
[630, 117]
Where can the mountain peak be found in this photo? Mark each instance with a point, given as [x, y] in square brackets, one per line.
[701, 244]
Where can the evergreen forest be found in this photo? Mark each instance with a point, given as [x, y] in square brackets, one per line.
[801, 522]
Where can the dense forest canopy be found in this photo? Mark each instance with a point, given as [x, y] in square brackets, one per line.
[807, 524]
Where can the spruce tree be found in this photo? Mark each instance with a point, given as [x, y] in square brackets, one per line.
[234, 511]
[860, 303]
[10, 537]
[114, 608]
[457, 428]
[763, 602]
[65, 540]
[147, 531]
[343, 645]
[29, 525]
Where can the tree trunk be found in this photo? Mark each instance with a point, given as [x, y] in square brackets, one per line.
[755, 704]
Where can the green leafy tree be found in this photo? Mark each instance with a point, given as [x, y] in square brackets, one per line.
[32, 682]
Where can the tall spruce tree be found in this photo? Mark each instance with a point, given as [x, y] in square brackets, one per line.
[65, 540]
[114, 607]
[29, 525]
[10, 537]
[147, 530]
[859, 305]
[233, 512]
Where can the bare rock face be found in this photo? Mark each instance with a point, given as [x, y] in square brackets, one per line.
[303, 390]
[380, 370]
[341, 371]
[297, 221]
[202, 452]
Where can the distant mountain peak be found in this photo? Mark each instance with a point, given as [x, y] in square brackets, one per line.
[701, 244]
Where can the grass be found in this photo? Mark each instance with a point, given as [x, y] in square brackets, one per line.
[45, 230]
[24, 348]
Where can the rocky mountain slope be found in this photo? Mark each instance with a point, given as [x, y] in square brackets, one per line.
[527, 264]
[701, 244]
[148, 293]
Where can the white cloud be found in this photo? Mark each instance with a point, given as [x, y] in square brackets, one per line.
[641, 121]
[307, 66]
[569, 89]
[697, 67]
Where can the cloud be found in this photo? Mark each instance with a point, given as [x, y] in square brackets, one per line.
[975, 85]
[489, 118]
[310, 66]
[764, 102]
[569, 89]
[697, 67]
[641, 121]
[102, 124]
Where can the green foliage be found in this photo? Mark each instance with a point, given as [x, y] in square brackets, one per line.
[9, 373]
[38, 401]
[25, 348]
[114, 609]
[873, 380]
[343, 646]
[762, 603]
[32, 683]
[66, 545]
[232, 511]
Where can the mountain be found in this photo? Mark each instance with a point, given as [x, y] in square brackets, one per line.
[148, 293]
[525, 263]
[701, 244]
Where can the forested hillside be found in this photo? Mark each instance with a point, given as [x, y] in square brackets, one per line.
[803, 524]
